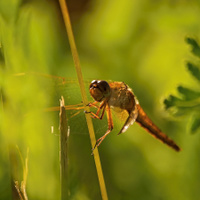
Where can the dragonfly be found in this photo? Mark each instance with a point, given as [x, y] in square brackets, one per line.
[119, 95]
[107, 96]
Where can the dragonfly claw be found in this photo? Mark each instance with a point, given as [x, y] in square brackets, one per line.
[98, 142]
[89, 104]
[93, 149]
[85, 111]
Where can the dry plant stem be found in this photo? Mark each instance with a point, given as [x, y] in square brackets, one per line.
[1, 100]
[18, 190]
[25, 175]
[17, 187]
[84, 97]
[63, 151]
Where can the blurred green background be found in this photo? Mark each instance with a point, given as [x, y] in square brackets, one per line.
[139, 42]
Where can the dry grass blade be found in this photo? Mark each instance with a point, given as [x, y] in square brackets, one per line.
[65, 13]
[63, 151]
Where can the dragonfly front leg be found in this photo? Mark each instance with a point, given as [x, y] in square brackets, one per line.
[110, 127]
[101, 107]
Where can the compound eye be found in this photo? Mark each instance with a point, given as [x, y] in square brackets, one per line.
[104, 87]
[99, 90]
[93, 82]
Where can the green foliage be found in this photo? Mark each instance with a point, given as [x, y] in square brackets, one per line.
[188, 100]
[194, 70]
[138, 42]
[195, 46]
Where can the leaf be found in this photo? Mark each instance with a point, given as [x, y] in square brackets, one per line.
[195, 46]
[188, 94]
[188, 100]
[171, 101]
[194, 70]
[195, 124]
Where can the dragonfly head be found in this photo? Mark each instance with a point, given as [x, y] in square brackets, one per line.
[99, 90]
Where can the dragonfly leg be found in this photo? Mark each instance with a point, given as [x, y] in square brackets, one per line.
[93, 104]
[100, 140]
[93, 115]
[110, 126]
[101, 107]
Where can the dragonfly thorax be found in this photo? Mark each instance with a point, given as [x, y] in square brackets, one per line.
[121, 96]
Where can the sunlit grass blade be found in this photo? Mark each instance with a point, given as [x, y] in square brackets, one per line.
[83, 94]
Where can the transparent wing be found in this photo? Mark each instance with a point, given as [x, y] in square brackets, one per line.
[54, 87]
[130, 119]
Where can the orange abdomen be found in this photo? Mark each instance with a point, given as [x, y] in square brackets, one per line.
[146, 123]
